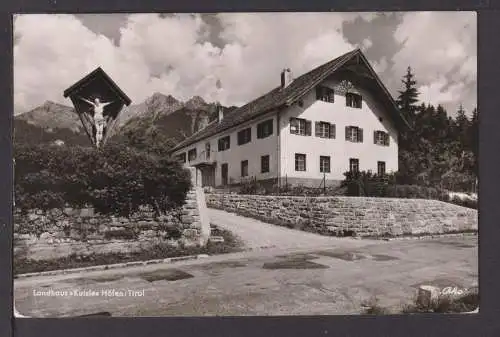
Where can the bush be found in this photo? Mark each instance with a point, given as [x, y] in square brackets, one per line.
[114, 180]
[367, 184]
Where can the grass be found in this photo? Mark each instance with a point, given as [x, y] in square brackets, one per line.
[443, 305]
[446, 305]
[231, 244]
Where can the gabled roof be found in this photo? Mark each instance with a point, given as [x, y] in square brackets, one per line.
[98, 72]
[280, 97]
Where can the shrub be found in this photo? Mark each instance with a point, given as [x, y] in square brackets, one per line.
[114, 180]
[367, 184]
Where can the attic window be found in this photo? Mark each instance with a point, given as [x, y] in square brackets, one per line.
[325, 94]
[353, 100]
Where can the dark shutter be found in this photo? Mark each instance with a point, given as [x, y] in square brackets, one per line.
[271, 127]
[293, 124]
[259, 130]
[308, 128]
[360, 135]
[318, 93]
[375, 137]
[332, 131]
[347, 128]
[317, 130]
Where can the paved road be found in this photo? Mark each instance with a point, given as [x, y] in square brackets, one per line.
[307, 281]
[257, 234]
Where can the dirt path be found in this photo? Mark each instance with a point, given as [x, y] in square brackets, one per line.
[257, 234]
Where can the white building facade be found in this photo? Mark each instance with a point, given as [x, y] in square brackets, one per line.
[308, 131]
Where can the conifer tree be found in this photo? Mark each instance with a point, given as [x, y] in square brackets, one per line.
[408, 97]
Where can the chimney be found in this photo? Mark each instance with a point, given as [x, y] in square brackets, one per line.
[221, 113]
[286, 77]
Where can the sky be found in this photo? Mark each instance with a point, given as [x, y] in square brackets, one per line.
[235, 57]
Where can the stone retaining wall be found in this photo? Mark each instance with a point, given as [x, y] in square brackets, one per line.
[61, 233]
[345, 216]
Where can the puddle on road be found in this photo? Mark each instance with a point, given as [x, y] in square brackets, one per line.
[165, 275]
[294, 261]
[343, 255]
[223, 264]
[298, 256]
[99, 279]
[382, 257]
[293, 264]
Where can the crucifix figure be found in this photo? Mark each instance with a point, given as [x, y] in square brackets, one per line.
[99, 120]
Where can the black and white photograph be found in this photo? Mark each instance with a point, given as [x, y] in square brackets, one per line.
[245, 164]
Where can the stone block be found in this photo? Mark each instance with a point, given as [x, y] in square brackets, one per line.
[87, 212]
[216, 239]
[190, 233]
[427, 294]
[187, 219]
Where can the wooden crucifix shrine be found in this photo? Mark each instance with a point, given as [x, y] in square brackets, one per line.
[98, 101]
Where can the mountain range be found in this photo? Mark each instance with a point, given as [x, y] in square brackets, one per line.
[175, 119]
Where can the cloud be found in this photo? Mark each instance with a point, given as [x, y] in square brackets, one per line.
[441, 47]
[178, 54]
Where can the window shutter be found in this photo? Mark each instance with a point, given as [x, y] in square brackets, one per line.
[360, 135]
[387, 139]
[259, 131]
[347, 128]
[308, 128]
[292, 126]
[317, 130]
[318, 93]
[375, 137]
[332, 131]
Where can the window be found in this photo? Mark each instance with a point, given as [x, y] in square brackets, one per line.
[224, 143]
[324, 130]
[300, 126]
[353, 165]
[353, 100]
[381, 138]
[244, 168]
[324, 164]
[264, 164]
[181, 157]
[354, 134]
[265, 129]
[244, 136]
[192, 154]
[381, 168]
[300, 162]
[325, 94]
[207, 149]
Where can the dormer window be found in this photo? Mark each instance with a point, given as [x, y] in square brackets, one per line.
[353, 100]
[325, 94]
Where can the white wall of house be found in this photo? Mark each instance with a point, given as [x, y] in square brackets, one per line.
[233, 156]
[339, 150]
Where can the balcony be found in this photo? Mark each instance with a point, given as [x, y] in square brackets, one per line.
[203, 158]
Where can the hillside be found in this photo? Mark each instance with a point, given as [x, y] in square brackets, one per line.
[159, 114]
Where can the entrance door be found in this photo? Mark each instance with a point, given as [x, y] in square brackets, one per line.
[224, 174]
[208, 176]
